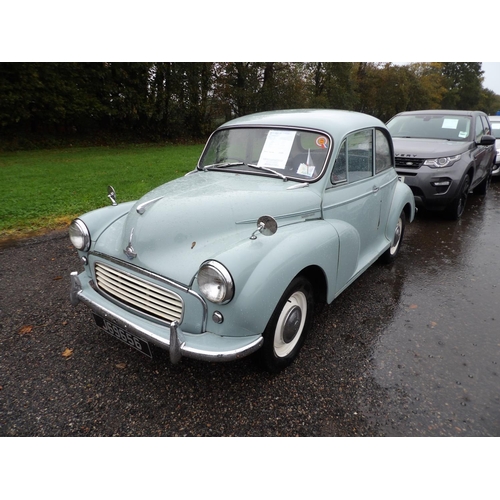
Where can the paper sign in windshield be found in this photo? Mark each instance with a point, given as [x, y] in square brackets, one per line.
[308, 167]
[450, 123]
[277, 149]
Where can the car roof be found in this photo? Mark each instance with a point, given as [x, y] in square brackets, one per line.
[333, 121]
[495, 118]
[442, 112]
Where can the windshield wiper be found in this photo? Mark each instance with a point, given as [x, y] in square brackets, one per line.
[267, 169]
[223, 165]
[238, 163]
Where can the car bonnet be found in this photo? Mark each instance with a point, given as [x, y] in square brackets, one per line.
[176, 227]
[428, 148]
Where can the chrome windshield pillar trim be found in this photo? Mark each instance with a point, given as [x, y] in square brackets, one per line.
[75, 288]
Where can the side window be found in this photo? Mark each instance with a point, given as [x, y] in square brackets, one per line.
[355, 158]
[360, 155]
[383, 153]
[339, 172]
[486, 125]
[479, 129]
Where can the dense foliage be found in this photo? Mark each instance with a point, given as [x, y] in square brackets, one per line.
[61, 103]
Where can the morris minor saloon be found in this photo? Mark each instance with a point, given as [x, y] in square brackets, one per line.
[284, 210]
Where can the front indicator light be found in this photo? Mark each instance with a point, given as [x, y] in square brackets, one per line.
[215, 282]
[79, 235]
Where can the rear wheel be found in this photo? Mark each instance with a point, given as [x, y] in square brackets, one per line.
[482, 189]
[288, 326]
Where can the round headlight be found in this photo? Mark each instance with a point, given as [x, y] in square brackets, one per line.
[215, 282]
[79, 235]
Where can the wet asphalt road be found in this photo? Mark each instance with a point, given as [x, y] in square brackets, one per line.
[411, 349]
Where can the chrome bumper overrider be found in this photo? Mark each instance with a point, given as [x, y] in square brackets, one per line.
[206, 346]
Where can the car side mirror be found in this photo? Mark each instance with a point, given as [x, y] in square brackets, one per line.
[487, 140]
[266, 225]
[112, 195]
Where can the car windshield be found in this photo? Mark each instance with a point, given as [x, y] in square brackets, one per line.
[495, 129]
[438, 126]
[284, 153]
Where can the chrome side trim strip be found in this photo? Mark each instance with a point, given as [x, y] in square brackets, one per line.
[304, 214]
[142, 207]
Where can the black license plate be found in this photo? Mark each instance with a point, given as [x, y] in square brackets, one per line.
[121, 334]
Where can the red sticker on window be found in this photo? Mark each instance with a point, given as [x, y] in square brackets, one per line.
[322, 142]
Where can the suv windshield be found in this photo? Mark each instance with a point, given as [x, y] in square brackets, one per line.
[292, 154]
[447, 127]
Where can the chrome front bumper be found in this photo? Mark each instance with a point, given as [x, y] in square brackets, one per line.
[206, 346]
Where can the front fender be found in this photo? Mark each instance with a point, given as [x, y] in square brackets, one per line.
[100, 219]
[263, 268]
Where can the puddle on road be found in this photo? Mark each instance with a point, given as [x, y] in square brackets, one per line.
[439, 357]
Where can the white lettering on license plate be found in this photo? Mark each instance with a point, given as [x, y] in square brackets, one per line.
[124, 336]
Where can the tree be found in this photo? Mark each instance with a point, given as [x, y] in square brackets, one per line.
[427, 87]
[330, 85]
[464, 85]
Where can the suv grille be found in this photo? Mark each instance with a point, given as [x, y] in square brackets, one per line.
[409, 162]
[139, 294]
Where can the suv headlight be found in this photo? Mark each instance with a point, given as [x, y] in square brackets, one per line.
[215, 282]
[79, 235]
[446, 161]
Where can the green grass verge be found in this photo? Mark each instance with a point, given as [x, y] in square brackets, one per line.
[42, 190]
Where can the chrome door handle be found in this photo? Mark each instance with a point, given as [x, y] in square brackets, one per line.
[375, 189]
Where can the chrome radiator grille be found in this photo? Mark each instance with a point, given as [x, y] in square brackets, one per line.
[139, 294]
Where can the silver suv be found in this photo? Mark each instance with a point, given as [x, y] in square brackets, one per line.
[443, 155]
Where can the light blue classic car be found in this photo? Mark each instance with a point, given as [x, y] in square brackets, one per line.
[284, 209]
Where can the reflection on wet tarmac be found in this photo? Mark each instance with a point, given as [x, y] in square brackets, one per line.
[440, 352]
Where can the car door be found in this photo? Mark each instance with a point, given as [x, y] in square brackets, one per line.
[385, 176]
[481, 153]
[354, 198]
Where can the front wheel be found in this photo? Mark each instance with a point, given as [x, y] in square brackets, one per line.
[457, 206]
[393, 251]
[288, 326]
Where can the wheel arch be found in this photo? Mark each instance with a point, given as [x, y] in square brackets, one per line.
[317, 277]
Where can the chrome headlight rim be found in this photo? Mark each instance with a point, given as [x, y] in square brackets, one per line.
[442, 162]
[222, 279]
[79, 230]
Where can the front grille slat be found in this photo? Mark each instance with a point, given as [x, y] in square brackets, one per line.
[132, 288]
[150, 304]
[139, 294]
